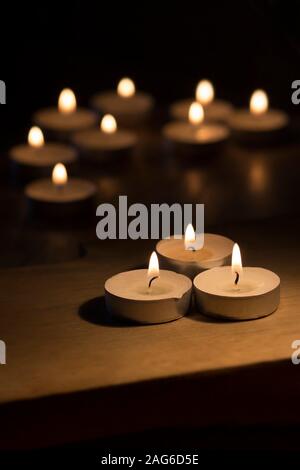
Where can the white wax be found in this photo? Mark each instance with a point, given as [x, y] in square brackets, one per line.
[256, 295]
[127, 295]
[217, 111]
[216, 251]
[127, 110]
[46, 156]
[186, 133]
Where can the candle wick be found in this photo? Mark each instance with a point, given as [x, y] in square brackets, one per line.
[191, 248]
[237, 278]
[151, 280]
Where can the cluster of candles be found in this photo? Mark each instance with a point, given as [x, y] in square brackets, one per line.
[198, 123]
[156, 295]
[161, 295]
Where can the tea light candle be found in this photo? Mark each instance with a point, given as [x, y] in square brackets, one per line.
[108, 141]
[237, 293]
[195, 133]
[148, 296]
[194, 254]
[40, 157]
[259, 121]
[60, 194]
[129, 106]
[66, 118]
[215, 110]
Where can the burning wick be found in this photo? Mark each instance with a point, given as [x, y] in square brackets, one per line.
[153, 269]
[59, 176]
[190, 238]
[236, 264]
[151, 280]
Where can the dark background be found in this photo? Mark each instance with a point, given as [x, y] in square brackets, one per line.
[165, 47]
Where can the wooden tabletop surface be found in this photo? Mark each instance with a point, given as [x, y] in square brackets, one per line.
[61, 342]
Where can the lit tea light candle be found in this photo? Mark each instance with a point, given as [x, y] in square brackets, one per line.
[195, 133]
[38, 157]
[106, 141]
[66, 118]
[259, 122]
[130, 107]
[194, 254]
[126, 88]
[205, 92]
[148, 295]
[60, 195]
[59, 176]
[237, 293]
[215, 110]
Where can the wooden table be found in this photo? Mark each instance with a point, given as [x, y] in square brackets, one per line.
[72, 373]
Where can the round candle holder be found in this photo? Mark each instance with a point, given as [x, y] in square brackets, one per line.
[131, 111]
[189, 139]
[251, 128]
[97, 146]
[216, 111]
[47, 199]
[216, 251]
[257, 295]
[35, 162]
[127, 296]
[61, 126]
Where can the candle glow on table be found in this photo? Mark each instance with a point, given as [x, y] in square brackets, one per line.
[237, 293]
[148, 295]
[195, 253]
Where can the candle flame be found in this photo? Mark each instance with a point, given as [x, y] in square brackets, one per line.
[196, 113]
[126, 88]
[259, 102]
[205, 92]
[236, 263]
[108, 124]
[153, 269]
[189, 237]
[35, 137]
[59, 175]
[67, 101]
